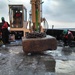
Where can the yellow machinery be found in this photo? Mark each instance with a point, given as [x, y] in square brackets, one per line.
[37, 40]
[36, 15]
[34, 39]
[18, 20]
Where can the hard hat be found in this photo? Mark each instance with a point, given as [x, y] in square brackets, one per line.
[2, 18]
[65, 31]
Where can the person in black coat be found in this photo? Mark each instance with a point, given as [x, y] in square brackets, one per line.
[5, 32]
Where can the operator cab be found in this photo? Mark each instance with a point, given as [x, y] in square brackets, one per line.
[18, 14]
[18, 19]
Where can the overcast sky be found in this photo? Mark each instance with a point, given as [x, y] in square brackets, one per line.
[60, 13]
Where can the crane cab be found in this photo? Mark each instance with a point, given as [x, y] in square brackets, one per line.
[18, 20]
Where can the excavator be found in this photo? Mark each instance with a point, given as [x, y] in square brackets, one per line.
[34, 39]
[18, 19]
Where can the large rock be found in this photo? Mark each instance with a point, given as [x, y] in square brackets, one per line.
[39, 44]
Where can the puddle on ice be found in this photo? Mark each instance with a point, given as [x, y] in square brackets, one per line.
[66, 67]
[15, 50]
[56, 52]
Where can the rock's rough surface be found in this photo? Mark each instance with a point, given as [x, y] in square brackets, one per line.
[39, 44]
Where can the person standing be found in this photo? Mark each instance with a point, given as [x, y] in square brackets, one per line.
[5, 32]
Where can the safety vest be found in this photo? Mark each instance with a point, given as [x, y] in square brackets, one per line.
[5, 25]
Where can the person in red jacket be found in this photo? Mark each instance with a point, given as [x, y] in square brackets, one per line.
[67, 37]
[5, 32]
